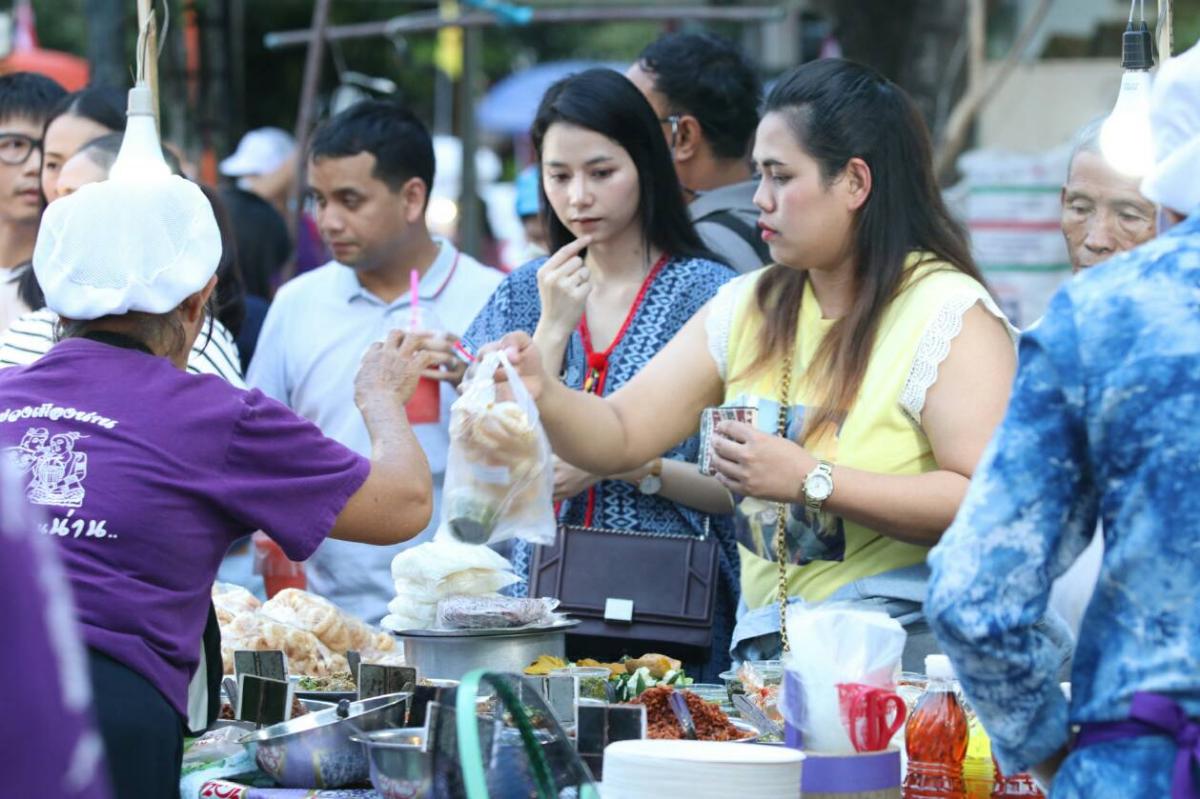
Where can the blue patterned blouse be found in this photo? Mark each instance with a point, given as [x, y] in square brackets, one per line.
[680, 289]
[1104, 424]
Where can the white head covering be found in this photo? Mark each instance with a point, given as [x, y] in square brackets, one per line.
[120, 246]
[260, 151]
[1174, 180]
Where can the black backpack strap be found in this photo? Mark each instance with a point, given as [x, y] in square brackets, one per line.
[743, 230]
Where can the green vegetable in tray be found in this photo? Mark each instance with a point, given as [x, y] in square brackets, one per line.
[630, 686]
[340, 682]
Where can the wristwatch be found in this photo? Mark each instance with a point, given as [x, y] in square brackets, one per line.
[818, 485]
[652, 482]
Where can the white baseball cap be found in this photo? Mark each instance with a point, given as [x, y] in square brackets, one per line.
[1174, 180]
[120, 246]
[260, 151]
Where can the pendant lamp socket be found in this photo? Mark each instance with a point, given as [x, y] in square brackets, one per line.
[1137, 47]
[140, 157]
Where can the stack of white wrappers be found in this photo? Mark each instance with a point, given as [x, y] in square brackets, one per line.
[440, 569]
[700, 770]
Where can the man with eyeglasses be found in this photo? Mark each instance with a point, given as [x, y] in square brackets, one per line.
[706, 95]
[26, 100]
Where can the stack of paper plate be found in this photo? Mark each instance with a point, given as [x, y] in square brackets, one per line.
[700, 770]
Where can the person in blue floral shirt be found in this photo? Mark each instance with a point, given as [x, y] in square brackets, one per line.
[1103, 424]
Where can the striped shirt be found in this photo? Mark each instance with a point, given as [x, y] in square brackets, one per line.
[32, 335]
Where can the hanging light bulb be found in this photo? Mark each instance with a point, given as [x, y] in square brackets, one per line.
[140, 157]
[1125, 137]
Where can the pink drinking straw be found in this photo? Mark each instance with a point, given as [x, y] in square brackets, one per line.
[414, 300]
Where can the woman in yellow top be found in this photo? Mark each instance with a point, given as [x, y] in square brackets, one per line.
[898, 363]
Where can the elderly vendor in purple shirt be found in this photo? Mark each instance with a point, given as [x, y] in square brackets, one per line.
[146, 474]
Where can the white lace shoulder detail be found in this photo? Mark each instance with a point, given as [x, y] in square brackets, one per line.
[719, 324]
[934, 346]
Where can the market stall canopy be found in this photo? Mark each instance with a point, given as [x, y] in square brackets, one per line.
[511, 104]
[71, 71]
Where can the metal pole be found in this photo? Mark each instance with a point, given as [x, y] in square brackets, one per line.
[304, 120]
[1166, 31]
[432, 20]
[107, 21]
[469, 206]
[148, 50]
[237, 62]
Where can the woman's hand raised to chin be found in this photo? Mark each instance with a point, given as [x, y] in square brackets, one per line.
[563, 286]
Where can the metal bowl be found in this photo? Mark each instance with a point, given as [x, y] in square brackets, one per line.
[315, 750]
[449, 654]
[401, 768]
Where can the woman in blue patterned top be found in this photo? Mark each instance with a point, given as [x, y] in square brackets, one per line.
[1103, 424]
[628, 271]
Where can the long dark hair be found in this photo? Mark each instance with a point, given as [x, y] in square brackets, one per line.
[607, 103]
[840, 110]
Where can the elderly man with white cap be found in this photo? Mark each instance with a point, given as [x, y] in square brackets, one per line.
[145, 474]
[1102, 425]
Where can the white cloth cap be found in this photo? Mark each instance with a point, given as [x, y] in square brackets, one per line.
[260, 151]
[1174, 180]
[120, 246]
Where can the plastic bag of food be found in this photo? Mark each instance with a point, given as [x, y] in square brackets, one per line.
[491, 612]
[499, 474]
[229, 600]
[840, 655]
[434, 561]
[437, 569]
[337, 630]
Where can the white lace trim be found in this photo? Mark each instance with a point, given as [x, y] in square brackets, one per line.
[934, 346]
[719, 324]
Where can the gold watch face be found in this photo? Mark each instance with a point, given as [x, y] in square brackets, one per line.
[818, 487]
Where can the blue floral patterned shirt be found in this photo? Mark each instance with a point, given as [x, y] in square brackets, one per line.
[1103, 424]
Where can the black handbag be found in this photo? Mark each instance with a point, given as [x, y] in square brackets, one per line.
[652, 591]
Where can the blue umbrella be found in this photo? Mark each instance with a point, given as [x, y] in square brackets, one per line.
[511, 104]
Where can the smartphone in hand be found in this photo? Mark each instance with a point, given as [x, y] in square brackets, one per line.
[709, 419]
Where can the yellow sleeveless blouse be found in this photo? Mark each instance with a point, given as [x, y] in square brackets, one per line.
[882, 432]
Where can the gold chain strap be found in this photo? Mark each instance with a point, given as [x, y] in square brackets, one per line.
[785, 392]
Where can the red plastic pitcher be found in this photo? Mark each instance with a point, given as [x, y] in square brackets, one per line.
[277, 571]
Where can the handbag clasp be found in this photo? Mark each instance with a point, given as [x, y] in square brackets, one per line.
[618, 610]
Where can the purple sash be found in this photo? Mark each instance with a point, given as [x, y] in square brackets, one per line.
[1152, 714]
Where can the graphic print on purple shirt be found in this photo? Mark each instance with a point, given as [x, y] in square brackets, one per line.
[146, 475]
[51, 748]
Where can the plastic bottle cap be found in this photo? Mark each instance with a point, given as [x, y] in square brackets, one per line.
[938, 667]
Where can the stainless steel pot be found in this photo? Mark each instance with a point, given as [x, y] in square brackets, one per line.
[449, 654]
[315, 750]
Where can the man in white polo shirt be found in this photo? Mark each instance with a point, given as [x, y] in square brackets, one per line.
[370, 169]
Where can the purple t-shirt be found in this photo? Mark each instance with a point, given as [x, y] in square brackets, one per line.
[146, 475]
[51, 748]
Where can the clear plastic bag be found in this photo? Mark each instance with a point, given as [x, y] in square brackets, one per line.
[841, 656]
[494, 612]
[499, 473]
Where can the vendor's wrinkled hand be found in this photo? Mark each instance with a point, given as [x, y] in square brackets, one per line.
[390, 369]
[570, 481]
[563, 287]
[752, 463]
[445, 363]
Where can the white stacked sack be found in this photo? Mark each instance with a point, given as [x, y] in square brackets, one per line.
[439, 569]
